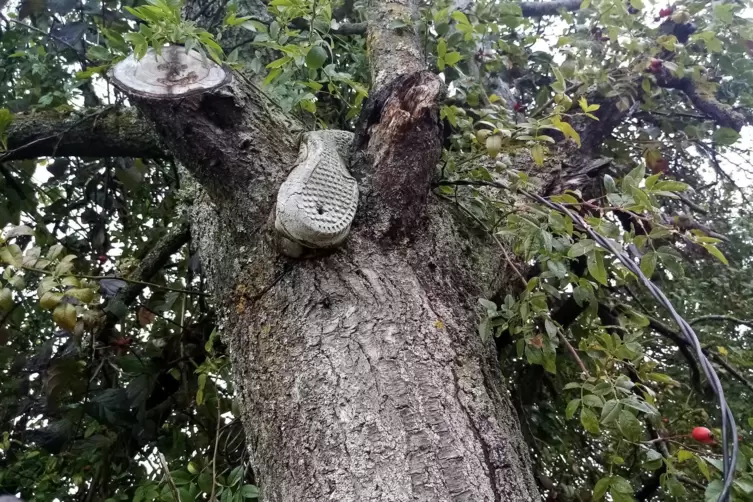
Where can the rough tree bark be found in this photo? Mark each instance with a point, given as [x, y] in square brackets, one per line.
[360, 371]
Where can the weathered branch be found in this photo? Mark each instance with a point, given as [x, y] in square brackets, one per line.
[156, 258]
[393, 52]
[724, 115]
[680, 340]
[236, 142]
[539, 9]
[398, 147]
[105, 132]
[342, 28]
[724, 318]
[398, 142]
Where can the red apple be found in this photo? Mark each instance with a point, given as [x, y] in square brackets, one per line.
[703, 435]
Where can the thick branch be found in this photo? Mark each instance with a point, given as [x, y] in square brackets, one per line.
[393, 51]
[680, 340]
[722, 114]
[106, 132]
[236, 142]
[539, 9]
[724, 318]
[398, 146]
[156, 258]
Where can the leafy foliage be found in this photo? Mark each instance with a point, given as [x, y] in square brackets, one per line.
[116, 397]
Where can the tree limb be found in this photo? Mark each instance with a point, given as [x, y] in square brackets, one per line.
[724, 115]
[156, 258]
[680, 340]
[104, 132]
[539, 9]
[718, 317]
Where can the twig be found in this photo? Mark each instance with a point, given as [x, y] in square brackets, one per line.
[720, 360]
[690, 482]
[41, 32]
[551, 100]
[124, 279]
[499, 243]
[573, 353]
[170, 480]
[720, 317]
[680, 340]
[214, 456]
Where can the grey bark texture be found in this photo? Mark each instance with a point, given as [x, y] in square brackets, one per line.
[102, 132]
[360, 372]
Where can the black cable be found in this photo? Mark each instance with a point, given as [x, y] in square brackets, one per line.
[729, 428]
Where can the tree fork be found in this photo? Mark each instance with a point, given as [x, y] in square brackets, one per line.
[360, 373]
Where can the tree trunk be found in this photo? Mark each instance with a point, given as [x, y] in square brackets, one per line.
[360, 372]
[362, 377]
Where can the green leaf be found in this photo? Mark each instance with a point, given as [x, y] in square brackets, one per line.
[648, 264]
[601, 487]
[50, 300]
[713, 250]
[441, 47]
[744, 484]
[272, 76]
[452, 58]
[64, 316]
[485, 329]
[609, 185]
[593, 401]
[630, 426]
[610, 412]
[683, 455]
[460, 17]
[725, 136]
[580, 248]
[723, 13]
[250, 492]
[6, 117]
[316, 57]
[537, 152]
[662, 378]
[99, 53]
[653, 461]
[595, 263]
[572, 407]
[620, 485]
[702, 467]
[716, 463]
[307, 105]
[12, 255]
[674, 487]
[713, 491]
[635, 176]
[589, 421]
[568, 131]
[669, 186]
[6, 300]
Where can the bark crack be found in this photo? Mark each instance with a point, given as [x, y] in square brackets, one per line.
[481, 441]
